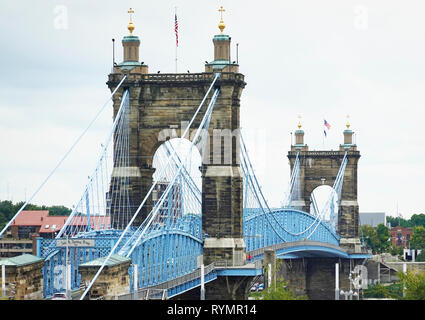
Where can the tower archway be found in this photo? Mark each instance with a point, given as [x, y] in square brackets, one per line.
[324, 202]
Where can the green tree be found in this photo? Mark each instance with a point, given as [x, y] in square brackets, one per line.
[6, 212]
[376, 291]
[371, 237]
[415, 220]
[397, 221]
[417, 241]
[396, 250]
[393, 291]
[59, 211]
[418, 220]
[279, 291]
[421, 256]
[414, 283]
[383, 234]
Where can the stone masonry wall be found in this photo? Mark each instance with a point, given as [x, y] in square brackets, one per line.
[27, 281]
[112, 281]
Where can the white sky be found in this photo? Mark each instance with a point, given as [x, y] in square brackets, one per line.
[320, 59]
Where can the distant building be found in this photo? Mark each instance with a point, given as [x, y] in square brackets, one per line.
[400, 236]
[20, 237]
[172, 206]
[30, 224]
[411, 254]
[372, 218]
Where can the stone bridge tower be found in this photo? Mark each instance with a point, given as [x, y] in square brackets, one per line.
[161, 104]
[321, 168]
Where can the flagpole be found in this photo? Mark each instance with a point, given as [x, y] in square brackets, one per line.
[175, 15]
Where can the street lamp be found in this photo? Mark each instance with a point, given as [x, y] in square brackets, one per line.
[349, 295]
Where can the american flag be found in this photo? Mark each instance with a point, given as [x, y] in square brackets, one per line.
[176, 29]
[327, 125]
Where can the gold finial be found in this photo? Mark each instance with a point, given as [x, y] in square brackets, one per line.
[221, 25]
[299, 122]
[130, 26]
[348, 123]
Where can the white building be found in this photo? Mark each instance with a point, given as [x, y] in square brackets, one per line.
[372, 218]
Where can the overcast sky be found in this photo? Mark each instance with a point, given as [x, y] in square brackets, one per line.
[318, 59]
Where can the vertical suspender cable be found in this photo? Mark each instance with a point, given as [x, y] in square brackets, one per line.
[124, 97]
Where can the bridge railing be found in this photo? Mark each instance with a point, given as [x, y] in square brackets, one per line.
[160, 291]
[160, 77]
[145, 294]
[282, 245]
[227, 264]
[178, 77]
[155, 291]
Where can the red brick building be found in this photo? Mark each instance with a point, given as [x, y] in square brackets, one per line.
[400, 236]
[30, 224]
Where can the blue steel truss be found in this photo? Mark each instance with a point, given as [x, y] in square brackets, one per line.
[162, 255]
[54, 256]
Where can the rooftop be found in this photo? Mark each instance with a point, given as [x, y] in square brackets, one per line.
[30, 218]
[21, 260]
[51, 224]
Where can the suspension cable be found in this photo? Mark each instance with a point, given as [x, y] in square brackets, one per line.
[116, 122]
[149, 192]
[163, 196]
[269, 210]
[62, 159]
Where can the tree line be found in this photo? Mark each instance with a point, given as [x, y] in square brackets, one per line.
[379, 239]
[9, 209]
[415, 220]
[410, 286]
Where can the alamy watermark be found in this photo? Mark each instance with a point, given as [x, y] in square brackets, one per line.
[361, 17]
[60, 17]
[220, 146]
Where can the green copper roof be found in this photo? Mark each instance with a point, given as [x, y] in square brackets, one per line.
[114, 260]
[219, 62]
[299, 131]
[21, 260]
[130, 38]
[221, 37]
[130, 63]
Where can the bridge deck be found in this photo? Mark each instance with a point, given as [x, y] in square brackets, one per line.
[192, 280]
[307, 248]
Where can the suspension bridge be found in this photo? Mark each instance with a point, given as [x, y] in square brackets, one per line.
[183, 227]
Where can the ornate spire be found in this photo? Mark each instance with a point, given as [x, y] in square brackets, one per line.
[299, 122]
[348, 123]
[221, 25]
[130, 26]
